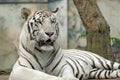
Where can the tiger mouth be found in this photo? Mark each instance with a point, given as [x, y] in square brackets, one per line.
[46, 43]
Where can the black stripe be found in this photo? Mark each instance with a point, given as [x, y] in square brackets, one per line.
[101, 62]
[81, 67]
[98, 59]
[53, 52]
[21, 64]
[109, 68]
[94, 66]
[81, 77]
[78, 70]
[62, 72]
[61, 69]
[83, 61]
[34, 32]
[105, 74]
[95, 75]
[31, 23]
[93, 71]
[38, 49]
[38, 61]
[100, 73]
[52, 58]
[29, 62]
[75, 64]
[34, 57]
[71, 67]
[57, 64]
[77, 74]
[28, 28]
[86, 55]
[119, 67]
[109, 73]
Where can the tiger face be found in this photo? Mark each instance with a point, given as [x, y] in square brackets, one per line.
[43, 29]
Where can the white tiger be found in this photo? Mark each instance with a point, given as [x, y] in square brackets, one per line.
[41, 58]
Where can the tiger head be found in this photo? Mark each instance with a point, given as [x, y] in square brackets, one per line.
[42, 29]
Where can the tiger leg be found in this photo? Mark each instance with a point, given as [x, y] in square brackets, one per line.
[102, 63]
[104, 74]
[24, 72]
[67, 73]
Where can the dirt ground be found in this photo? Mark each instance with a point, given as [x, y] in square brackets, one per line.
[5, 77]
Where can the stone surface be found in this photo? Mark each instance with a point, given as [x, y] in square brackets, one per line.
[5, 77]
[76, 31]
[11, 24]
[23, 0]
[75, 28]
[10, 28]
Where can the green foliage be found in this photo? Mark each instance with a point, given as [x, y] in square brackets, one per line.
[81, 36]
[112, 39]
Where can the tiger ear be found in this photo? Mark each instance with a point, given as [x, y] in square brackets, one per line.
[55, 11]
[25, 12]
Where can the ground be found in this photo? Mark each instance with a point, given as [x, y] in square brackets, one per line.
[5, 77]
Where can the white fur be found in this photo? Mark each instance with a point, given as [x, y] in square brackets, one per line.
[23, 70]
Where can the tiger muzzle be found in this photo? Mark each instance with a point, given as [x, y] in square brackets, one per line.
[45, 42]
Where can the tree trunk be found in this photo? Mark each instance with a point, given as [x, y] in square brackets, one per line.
[97, 29]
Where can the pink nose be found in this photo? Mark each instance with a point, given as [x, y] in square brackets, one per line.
[49, 33]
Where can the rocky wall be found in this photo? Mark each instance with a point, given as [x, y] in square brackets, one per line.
[10, 28]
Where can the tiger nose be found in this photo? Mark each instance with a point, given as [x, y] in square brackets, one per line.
[49, 33]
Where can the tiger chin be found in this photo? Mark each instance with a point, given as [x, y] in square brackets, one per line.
[41, 58]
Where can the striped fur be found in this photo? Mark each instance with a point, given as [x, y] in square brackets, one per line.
[40, 55]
